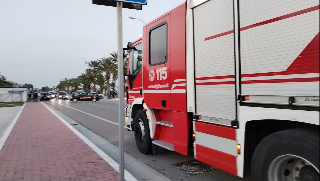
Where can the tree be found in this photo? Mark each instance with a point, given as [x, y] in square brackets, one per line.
[3, 81]
[113, 85]
[94, 65]
[74, 82]
[45, 89]
[101, 81]
[109, 66]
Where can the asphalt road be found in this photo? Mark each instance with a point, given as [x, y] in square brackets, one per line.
[102, 118]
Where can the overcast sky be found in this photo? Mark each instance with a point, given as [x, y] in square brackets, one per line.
[43, 41]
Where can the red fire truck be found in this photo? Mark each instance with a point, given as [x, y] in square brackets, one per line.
[237, 81]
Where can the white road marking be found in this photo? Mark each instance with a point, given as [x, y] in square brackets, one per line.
[92, 115]
[106, 157]
[6, 134]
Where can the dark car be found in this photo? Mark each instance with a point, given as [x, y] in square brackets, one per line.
[45, 96]
[96, 95]
[62, 95]
[84, 96]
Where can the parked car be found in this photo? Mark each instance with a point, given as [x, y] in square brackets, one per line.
[84, 96]
[45, 96]
[62, 95]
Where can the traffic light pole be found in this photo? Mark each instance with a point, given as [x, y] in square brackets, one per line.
[121, 90]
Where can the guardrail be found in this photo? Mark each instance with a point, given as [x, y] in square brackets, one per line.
[11, 97]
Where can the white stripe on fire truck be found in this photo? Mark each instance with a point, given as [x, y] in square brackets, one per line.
[217, 143]
[134, 92]
[179, 80]
[177, 85]
[290, 76]
[215, 80]
[165, 91]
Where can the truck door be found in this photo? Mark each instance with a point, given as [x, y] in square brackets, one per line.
[215, 62]
[156, 64]
[134, 84]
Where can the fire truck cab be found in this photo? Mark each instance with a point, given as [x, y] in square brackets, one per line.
[235, 80]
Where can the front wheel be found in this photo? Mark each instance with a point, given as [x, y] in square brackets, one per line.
[142, 132]
[290, 155]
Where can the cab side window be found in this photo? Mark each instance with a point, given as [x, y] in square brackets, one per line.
[158, 45]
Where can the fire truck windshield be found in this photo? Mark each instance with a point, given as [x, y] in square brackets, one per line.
[136, 59]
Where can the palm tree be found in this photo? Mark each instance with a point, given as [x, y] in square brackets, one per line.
[114, 57]
[74, 82]
[86, 79]
[101, 82]
[94, 65]
[109, 66]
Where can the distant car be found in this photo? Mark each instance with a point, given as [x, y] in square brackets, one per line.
[96, 95]
[84, 96]
[45, 96]
[62, 95]
[53, 95]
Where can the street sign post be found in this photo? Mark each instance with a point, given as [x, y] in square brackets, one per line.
[130, 4]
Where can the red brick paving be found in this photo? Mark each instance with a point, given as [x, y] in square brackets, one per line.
[41, 147]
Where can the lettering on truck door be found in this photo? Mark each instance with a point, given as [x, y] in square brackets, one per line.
[157, 65]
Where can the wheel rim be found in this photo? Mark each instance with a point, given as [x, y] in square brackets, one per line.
[292, 168]
[139, 131]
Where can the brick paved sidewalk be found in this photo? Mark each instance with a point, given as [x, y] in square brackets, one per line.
[41, 147]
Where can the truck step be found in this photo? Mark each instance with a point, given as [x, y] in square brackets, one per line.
[164, 144]
[165, 123]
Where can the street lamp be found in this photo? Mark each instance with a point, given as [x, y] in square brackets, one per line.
[85, 61]
[137, 19]
[68, 73]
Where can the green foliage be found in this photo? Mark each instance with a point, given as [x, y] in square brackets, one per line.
[45, 89]
[102, 72]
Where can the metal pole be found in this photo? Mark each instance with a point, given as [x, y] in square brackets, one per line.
[121, 91]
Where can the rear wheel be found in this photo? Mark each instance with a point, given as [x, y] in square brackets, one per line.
[142, 132]
[290, 155]
[75, 100]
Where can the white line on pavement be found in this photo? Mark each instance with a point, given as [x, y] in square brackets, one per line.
[106, 157]
[6, 134]
[90, 114]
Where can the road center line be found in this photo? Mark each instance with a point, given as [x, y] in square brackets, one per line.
[90, 114]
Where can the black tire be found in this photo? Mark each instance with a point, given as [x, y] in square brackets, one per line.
[144, 144]
[299, 142]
